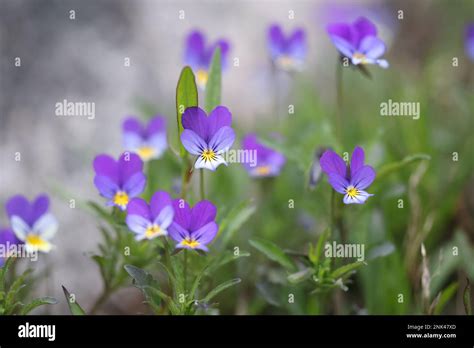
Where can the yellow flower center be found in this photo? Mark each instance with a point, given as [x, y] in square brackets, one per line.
[146, 152]
[121, 199]
[263, 170]
[37, 243]
[190, 243]
[360, 56]
[208, 155]
[352, 191]
[153, 231]
[201, 78]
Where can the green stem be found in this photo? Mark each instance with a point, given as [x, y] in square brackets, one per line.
[185, 271]
[203, 191]
[339, 102]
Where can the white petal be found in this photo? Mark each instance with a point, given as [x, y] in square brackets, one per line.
[46, 226]
[211, 165]
[20, 227]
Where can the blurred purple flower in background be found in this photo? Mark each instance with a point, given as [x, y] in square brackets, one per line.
[287, 53]
[199, 56]
[469, 41]
[207, 137]
[7, 239]
[269, 162]
[350, 180]
[31, 222]
[150, 221]
[358, 42]
[193, 228]
[148, 142]
[121, 180]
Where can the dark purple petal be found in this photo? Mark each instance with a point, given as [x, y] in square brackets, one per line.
[331, 163]
[156, 125]
[135, 184]
[195, 119]
[357, 160]
[158, 201]
[362, 28]
[276, 41]
[338, 182]
[342, 31]
[201, 214]
[372, 47]
[128, 165]
[249, 142]
[296, 46]
[40, 207]
[132, 125]
[363, 177]
[222, 140]
[8, 236]
[194, 49]
[469, 40]
[105, 165]
[182, 213]
[192, 142]
[276, 162]
[19, 206]
[107, 188]
[218, 118]
[138, 206]
[177, 232]
[205, 234]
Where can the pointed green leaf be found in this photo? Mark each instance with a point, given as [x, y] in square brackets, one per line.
[300, 276]
[339, 272]
[445, 296]
[393, 167]
[221, 288]
[273, 252]
[234, 220]
[186, 96]
[74, 307]
[213, 85]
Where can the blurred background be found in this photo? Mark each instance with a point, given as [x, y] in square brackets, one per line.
[82, 60]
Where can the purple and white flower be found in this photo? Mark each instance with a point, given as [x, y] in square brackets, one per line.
[198, 55]
[288, 53]
[207, 137]
[269, 162]
[350, 180]
[31, 222]
[119, 181]
[469, 41]
[358, 42]
[150, 221]
[149, 141]
[193, 228]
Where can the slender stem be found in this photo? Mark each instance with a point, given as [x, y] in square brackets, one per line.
[333, 210]
[203, 191]
[339, 102]
[101, 300]
[185, 270]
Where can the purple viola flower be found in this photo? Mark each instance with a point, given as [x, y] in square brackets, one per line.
[148, 142]
[121, 180]
[269, 162]
[7, 239]
[350, 180]
[199, 56]
[469, 41]
[150, 221]
[207, 137]
[358, 42]
[31, 222]
[193, 228]
[288, 53]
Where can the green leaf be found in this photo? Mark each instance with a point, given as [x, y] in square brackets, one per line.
[393, 167]
[144, 281]
[186, 96]
[467, 298]
[74, 307]
[234, 220]
[4, 271]
[221, 288]
[273, 252]
[315, 254]
[214, 82]
[445, 296]
[38, 302]
[300, 276]
[339, 272]
[13, 291]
